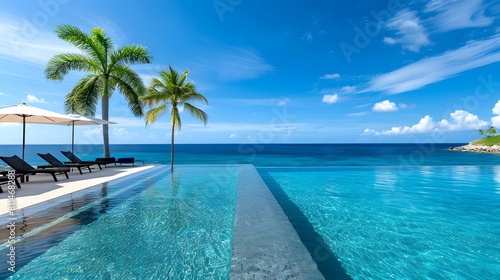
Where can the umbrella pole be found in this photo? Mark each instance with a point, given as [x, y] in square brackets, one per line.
[24, 143]
[24, 133]
[73, 138]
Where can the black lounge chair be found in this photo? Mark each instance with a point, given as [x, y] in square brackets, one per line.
[5, 180]
[54, 162]
[75, 159]
[23, 168]
[106, 160]
[129, 160]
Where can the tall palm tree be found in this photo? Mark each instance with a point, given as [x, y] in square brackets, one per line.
[109, 71]
[172, 88]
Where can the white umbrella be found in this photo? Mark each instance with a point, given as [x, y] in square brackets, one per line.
[82, 120]
[28, 114]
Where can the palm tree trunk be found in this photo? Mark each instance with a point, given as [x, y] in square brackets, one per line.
[105, 116]
[172, 149]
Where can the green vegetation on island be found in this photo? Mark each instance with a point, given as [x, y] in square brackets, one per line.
[490, 140]
[487, 141]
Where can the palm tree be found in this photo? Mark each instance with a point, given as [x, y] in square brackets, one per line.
[491, 130]
[109, 71]
[172, 88]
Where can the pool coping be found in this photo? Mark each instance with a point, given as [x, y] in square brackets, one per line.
[265, 244]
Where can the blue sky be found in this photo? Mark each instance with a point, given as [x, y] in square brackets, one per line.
[300, 72]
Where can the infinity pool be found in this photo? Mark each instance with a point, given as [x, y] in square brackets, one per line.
[156, 225]
[439, 222]
[428, 222]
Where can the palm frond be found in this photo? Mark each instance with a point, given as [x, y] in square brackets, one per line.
[152, 115]
[60, 65]
[99, 36]
[129, 76]
[157, 84]
[131, 54]
[197, 112]
[182, 78]
[130, 84]
[83, 41]
[194, 96]
[153, 98]
[84, 96]
[75, 36]
[170, 87]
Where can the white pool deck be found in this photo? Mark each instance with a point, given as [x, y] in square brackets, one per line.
[42, 187]
[265, 245]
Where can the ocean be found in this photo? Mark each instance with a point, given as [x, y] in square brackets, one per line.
[272, 155]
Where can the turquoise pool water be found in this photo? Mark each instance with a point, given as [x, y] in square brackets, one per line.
[439, 222]
[165, 225]
[374, 222]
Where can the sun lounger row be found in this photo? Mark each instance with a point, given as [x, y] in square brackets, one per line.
[24, 169]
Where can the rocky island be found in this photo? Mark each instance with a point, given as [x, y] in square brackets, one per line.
[478, 149]
[489, 144]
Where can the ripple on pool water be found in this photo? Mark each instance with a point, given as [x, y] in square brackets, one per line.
[384, 223]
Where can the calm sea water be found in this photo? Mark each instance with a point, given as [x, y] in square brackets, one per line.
[273, 155]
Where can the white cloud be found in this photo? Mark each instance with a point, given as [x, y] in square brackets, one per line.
[330, 76]
[122, 132]
[234, 64]
[330, 98]
[434, 69]
[34, 99]
[411, 33]
[390, 41]
[495, 121]
[496, 108]
[357, 114]
[453, 14]
[3, 94]
[385, 106]
[348, 89]
[271, 127]
[233, 136]
[91, 132]
[283, 101]
[138, 122]
[369, 131]
[22, 41]
[307, 36]
[403, 105]
[256, 101]
[460, 121]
